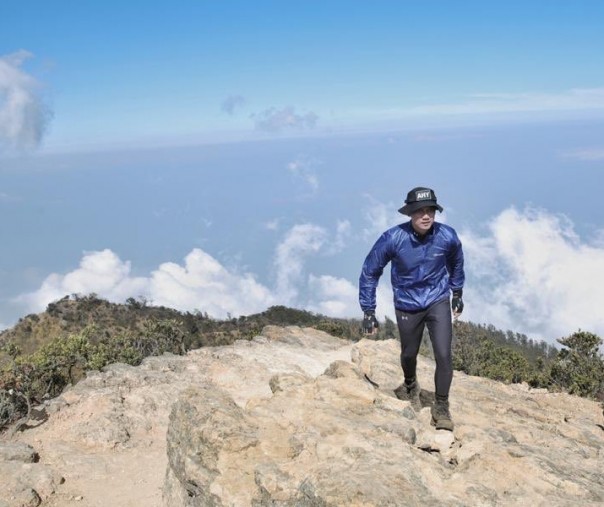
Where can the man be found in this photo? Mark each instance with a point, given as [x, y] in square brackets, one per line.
[426, 265]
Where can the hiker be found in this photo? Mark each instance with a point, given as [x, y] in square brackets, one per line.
[426, 266]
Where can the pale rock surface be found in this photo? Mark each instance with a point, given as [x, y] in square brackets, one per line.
[296, 417]
[24, 481]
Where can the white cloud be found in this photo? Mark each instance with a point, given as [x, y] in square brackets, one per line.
[477, 108]
[343, 233]
[301, 241]
[272, 225]
[101, 272]
[586, 154]
[529, 272]
[303, 169]
[379, 217]
[338, 297]
[23, 115]
[277, 120]
[481, 103]
[202, 283]
[532, 274]
[333, 296]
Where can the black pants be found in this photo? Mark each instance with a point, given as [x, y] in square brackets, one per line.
[411, 327]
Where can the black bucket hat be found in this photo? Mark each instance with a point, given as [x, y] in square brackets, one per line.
[420, 197]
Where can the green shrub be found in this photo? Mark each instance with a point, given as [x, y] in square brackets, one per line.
[28, 379]
[332, 327]
[579, 368]
[483, 358]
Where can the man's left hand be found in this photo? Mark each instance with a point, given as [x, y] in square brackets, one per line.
[457, 303]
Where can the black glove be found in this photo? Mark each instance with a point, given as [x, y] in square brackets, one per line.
[370, 323]
[457, 302]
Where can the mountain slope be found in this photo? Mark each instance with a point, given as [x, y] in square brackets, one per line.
[290, 418]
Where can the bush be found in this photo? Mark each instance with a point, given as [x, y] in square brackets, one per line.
[485, 359]
[579, 368]
[29, 379]
[331, 327]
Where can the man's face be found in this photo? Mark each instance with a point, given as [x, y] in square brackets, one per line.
[422, 219]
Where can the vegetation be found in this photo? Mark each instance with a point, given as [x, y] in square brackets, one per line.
[44, 353]
[508, 357]
[579, 368]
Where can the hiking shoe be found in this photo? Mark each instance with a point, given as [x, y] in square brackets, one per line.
[441, 417]
[409, 392]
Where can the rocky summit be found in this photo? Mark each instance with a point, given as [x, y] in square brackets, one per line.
[296, 417]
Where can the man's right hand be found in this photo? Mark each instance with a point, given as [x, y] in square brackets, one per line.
[370, 323]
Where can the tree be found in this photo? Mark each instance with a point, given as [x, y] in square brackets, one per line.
[579, 367]
[389, 329]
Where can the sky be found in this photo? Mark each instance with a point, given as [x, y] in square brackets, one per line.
[228, 156]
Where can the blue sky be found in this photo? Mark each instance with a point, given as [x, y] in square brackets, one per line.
[226, 156]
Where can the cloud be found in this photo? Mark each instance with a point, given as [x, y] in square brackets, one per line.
[324, 294]
[483, 103]
[101, 272]
[231, 103]
[527, 271]
[301, 241]
[333, 296]
[343, 232]
[303, 169]
[478, 108]
[202, 283]
[23, 115]
[273, 225]
[277, 120]
[586, 154]
[379, 217]
[199, 283]
[531, 273]
[338, 297]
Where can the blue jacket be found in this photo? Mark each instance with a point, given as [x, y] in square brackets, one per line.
[422, 272]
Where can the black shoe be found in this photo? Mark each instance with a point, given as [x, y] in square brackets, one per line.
[441, 417]
[409, 392]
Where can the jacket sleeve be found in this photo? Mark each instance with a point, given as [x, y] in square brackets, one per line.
[373, 267]
[455, 264]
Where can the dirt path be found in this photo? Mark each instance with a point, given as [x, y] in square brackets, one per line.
[126, 479]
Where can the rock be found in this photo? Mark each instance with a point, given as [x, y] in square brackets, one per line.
[309, 444]
[340, 438]
[284, 381]
[17, 451]
[296, 417]
[27, 484]
[380, 362]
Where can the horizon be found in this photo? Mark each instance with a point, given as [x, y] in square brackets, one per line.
[228, 157]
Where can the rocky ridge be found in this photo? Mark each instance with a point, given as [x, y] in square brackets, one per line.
[296, 417]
